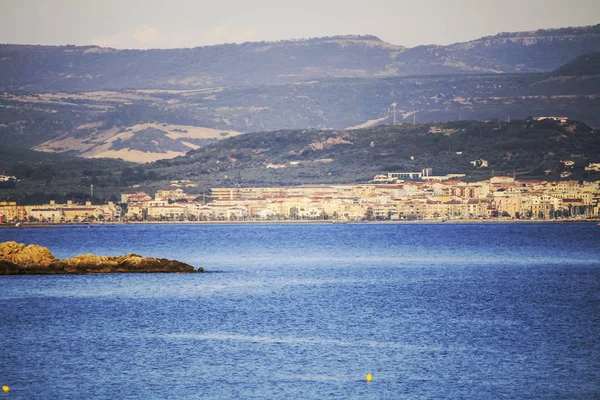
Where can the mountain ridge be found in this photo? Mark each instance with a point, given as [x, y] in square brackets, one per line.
[564, 31]
[72, 68]
[349, 37]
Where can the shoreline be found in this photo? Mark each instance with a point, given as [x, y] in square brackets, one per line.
[274, 222]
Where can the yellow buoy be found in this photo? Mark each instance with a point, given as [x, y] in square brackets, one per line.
[5, 389]
[369, 377]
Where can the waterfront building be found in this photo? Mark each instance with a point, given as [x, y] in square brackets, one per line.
[10, 211]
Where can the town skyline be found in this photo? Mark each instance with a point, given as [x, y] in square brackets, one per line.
[499, 198]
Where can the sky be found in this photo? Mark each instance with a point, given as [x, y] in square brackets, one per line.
[144, 24]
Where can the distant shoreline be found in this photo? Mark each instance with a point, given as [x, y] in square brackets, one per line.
[270, 222]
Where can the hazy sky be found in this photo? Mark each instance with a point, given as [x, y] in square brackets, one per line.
[189, 23]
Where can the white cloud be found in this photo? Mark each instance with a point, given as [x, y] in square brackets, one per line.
[225, 34]
[152, 37]
[146, 34]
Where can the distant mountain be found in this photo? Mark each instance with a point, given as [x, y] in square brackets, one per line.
[86, 68]
[91, 68]
[535, 51]
[324, 83]
[147, 125]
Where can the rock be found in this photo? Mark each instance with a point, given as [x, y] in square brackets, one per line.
[16, 258]
[26, 256]
[8, 268]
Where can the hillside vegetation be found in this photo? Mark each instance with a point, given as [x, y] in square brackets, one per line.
[43, 177]
[525, 147]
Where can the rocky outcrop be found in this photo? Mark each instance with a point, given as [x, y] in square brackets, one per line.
[26, 256]
[326, 144]
[8, 268]
[16, 258]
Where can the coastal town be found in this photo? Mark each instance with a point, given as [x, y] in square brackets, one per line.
[386, 198]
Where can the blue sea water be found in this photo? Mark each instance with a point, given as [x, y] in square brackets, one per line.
[465, 311]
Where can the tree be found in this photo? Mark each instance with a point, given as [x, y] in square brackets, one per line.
[529, 214]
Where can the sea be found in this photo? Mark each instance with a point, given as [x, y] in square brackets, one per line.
[306, 311]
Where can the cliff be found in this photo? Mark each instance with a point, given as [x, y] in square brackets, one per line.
[17, 258]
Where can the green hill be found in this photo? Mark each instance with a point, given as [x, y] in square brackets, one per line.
[527, 147]
[45, 176]
[587, 64]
